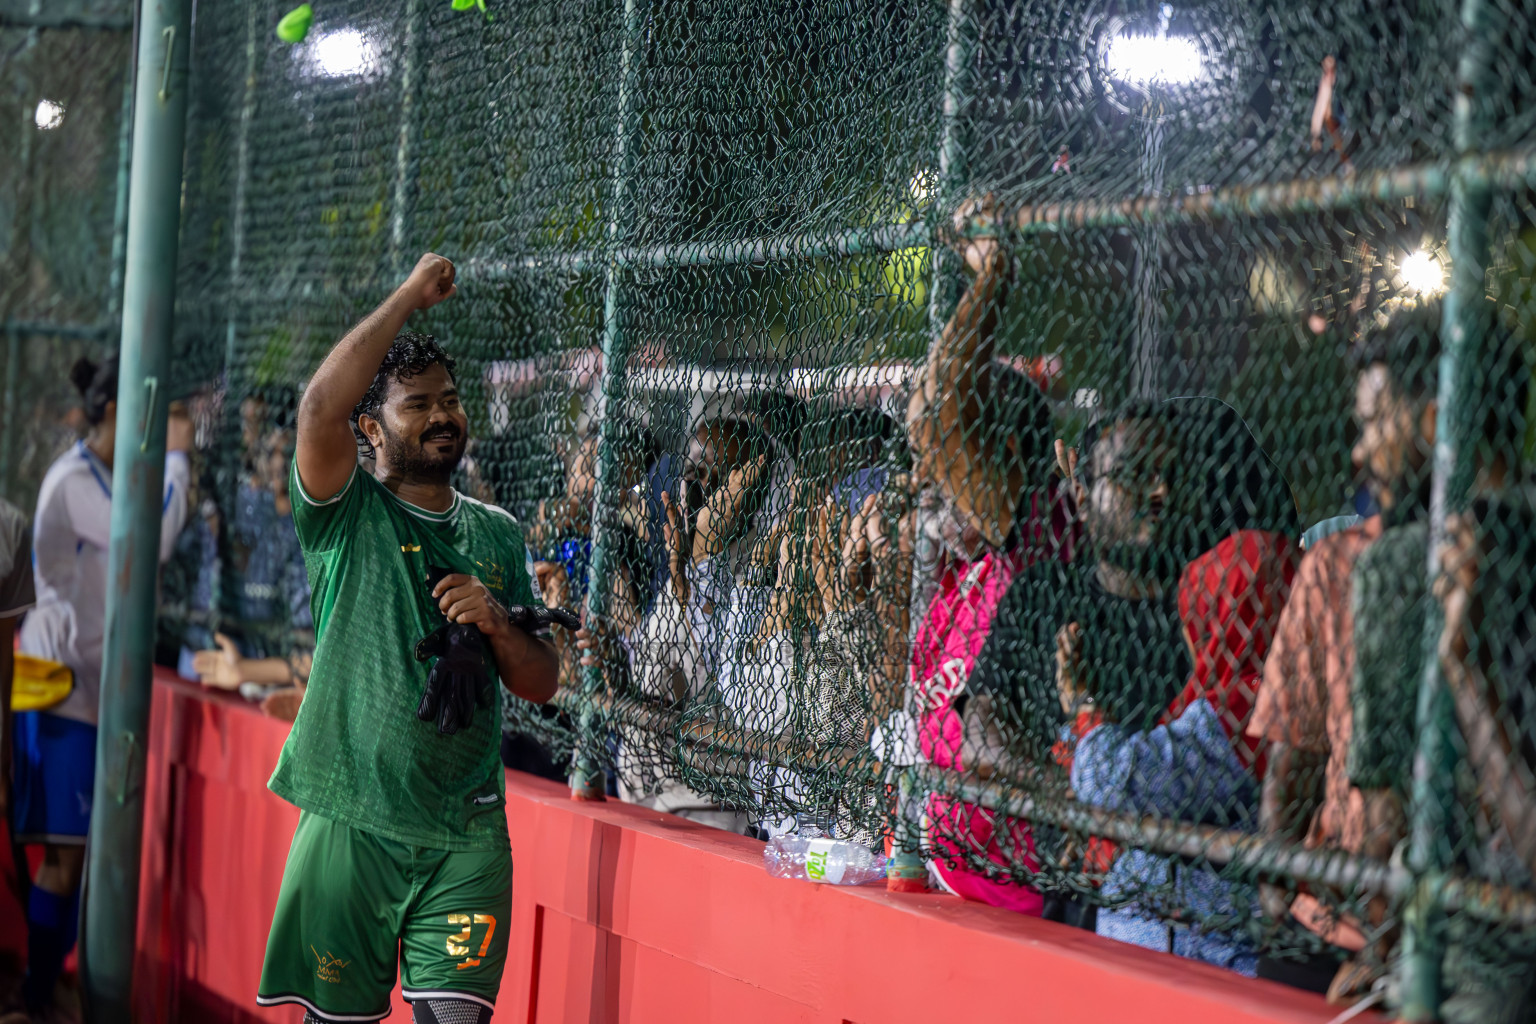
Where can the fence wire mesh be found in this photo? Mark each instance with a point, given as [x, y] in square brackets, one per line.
[1078, 445]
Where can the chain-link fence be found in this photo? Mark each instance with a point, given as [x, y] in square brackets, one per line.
[63, 102]
[770, 318]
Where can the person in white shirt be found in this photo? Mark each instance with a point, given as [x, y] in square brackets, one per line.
[55, 749]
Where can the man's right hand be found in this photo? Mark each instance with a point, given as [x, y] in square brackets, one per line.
[431, 281]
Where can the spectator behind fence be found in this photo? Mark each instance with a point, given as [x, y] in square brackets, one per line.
[1196, 764]
[721, 485]
[1487, 651]
[273, 661]
[1388, 593]
[811, 606]
[1304, 708]
[55, 749]
[652, 658]
[979, 432]
[713, 447]
[561, 531]
[1158, 486]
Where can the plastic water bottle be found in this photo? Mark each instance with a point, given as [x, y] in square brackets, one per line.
[833, 861]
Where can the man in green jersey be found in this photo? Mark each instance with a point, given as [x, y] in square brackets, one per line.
[402, 841]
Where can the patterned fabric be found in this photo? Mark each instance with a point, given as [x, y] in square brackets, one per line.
[358, 754]
[274, 589]
[1198, 765]
[1305, 697]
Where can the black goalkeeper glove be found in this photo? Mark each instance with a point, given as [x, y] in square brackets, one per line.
[457, 684]
[536, 621]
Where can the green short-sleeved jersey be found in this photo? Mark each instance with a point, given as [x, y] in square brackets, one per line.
[357, 753]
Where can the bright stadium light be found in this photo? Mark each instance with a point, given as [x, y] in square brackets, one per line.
[1422, 273]
[1143, 60]
[342, 53]
[924, 183]
[49, 115]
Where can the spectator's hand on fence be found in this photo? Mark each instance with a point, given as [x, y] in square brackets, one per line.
[431, 281]
[725, 507]
[596, 644]
[678, 544]
[554, 584]
[1454, 587]
[180, 433]
[1069, 664]
[220, 668]
[1066, 459]
[979, 253]
[825, 564]
[859, 546]
[587, 645]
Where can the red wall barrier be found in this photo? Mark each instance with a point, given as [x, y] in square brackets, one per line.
[625, 915]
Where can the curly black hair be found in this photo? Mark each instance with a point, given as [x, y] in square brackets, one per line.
[411, 354]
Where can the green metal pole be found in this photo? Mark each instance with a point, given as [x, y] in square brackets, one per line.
[406, 163]
[586, 770]
[906, 871]
[237, 213]
[120, 204]
[959, 47]
[1456, 440]
[112, 888]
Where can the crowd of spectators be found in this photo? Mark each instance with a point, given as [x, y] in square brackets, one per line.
[1134, 618]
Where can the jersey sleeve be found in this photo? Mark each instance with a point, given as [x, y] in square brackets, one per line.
[16, 588]
[322, 524]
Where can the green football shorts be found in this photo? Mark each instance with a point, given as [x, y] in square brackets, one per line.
[351, 899]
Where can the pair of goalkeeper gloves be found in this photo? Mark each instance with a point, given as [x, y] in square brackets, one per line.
[458, 683]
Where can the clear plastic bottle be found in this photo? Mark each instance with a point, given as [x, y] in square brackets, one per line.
[833, 861]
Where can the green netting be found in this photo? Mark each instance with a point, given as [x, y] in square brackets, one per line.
[61, 107]
[834, 277]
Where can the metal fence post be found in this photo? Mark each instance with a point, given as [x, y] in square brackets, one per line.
[586, 769]
[120, 205]
[112, 888]
[1456, 441]
[907, 871]
[237, 202]
[401, 224]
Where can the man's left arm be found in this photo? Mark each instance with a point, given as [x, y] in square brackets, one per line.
[529, 666]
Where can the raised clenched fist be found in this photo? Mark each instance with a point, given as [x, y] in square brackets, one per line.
[431, 281]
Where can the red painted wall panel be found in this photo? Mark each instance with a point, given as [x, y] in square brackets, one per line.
[626, 916]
